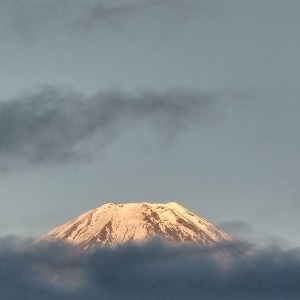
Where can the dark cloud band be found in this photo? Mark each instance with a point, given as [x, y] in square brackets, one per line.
[51, 125]
[153, 271]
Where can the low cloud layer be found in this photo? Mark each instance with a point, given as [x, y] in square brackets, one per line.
[153, 271]
[53, 125]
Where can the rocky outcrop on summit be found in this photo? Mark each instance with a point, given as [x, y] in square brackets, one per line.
[113, 224]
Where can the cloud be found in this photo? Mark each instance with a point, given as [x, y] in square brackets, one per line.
[239, 229]
[102, 12]
[152, 271]
[54, 125]
[31, 19]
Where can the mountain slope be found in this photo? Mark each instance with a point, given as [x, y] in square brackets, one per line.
[112, 224]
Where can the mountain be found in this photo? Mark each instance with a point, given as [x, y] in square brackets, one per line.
[112, 224]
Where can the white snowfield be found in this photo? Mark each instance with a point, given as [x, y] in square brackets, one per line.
[112, 224]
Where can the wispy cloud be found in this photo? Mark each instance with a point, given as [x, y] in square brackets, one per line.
[152, 271]
[102, 12]
[237, 228]
[31, 18]
[53, 125]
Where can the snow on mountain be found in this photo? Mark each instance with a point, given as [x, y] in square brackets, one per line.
[112, 224]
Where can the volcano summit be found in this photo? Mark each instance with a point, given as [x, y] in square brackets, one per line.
[112, 224]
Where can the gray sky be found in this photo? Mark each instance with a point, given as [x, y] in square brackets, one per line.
[117, 101]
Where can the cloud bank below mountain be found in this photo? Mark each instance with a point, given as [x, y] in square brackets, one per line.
[152, 271]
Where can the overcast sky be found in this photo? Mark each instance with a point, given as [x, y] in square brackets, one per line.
[120, 101]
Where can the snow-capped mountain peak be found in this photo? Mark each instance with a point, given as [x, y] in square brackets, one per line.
[116, 223]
